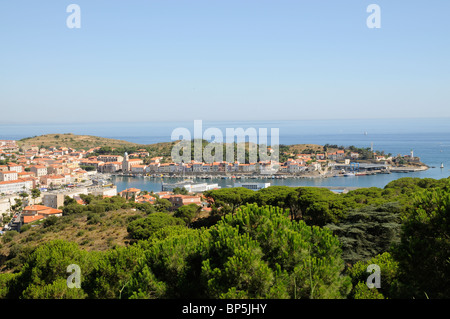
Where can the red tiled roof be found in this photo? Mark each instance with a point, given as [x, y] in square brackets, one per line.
[131, 190]
[41, 209]
[29, 219]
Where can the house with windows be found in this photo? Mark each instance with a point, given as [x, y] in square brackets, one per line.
[8, 176]
[129, 193]
[39, 170]
[36, 212]
[15, 167]
[181, 200]
[139, 169]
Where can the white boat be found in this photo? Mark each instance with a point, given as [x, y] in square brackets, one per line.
[442, 165]
[349, 174]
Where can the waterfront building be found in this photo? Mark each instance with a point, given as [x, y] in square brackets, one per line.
[127, 163]
[103, 191]
[152, 167]
[110, 167]
[252, 186]
[190, 187]
[140, 169]
[110, 158]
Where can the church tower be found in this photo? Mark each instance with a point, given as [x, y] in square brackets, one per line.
[125, 165]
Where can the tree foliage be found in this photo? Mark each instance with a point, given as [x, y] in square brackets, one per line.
[227, 200]
[424, 251]
[389, 278]
[143, 228]
[188, 212]
[278, 242]
[255, 253]
[368, 231]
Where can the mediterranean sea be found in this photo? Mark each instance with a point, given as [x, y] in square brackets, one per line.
[428, 138]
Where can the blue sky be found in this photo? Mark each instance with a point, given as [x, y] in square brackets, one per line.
[162, 60]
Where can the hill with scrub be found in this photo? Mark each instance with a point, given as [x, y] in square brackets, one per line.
[98, 232]
[86, 142]
[108, 146]
[72, 141]
[285, 242]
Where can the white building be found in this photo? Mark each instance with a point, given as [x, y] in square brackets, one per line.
[190, 187]
[104, 191]
[6, 202]
[140, 169]
[252, 186]
[56, 199]
[39, 170]
[15, 167]
[8, 176]
[110, 158]
[10, 187]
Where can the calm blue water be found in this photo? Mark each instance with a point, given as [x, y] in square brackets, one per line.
[429, 138]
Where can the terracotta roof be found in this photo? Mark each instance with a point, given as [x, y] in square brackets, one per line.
[50, 211]
[36, 207]
[29, 219]
[131, 190]
[14, 182]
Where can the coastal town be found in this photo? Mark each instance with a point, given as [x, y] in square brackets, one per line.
[34, 181]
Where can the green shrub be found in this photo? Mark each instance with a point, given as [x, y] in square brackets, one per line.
[93, 219]
[80, 233]
[50, 221]
[143, 228]
[8, 236]
[24, 228]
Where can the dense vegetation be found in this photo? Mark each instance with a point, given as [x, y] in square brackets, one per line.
[279, 242]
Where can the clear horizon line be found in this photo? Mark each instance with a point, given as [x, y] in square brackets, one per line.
[219, 120]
